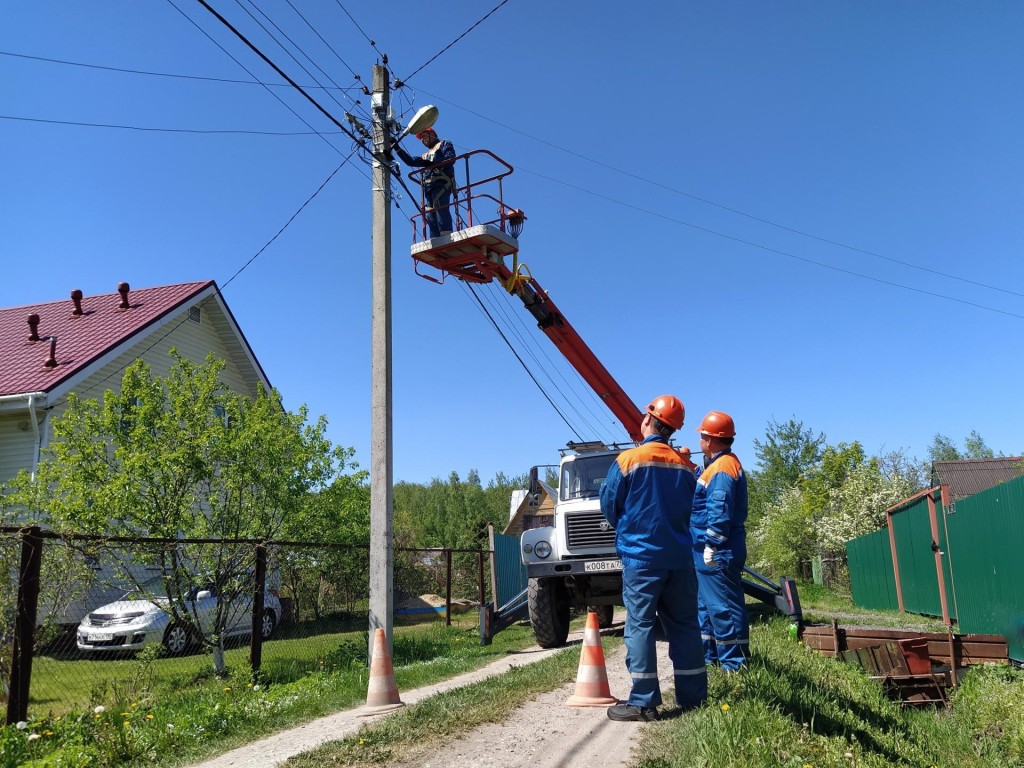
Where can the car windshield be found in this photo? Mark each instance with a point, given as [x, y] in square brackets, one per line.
[151, 587]
[582, 478]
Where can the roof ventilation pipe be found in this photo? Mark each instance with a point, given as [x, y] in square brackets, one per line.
[123, 289]
[33, 327]
[76, 299]
[51, 361]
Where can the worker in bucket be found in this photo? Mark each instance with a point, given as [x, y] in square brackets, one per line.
[437, 182]
[646, 497]
[720, 545]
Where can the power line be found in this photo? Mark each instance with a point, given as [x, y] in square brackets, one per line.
[775, 250]
[149, 73]
[246, 70]
[723, 207]
[81, 124]
[371, 42]
[400, 83]
[220, 288]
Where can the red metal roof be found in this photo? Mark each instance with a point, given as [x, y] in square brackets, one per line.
[80, 338]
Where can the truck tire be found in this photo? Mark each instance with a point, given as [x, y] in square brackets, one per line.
[549, 612]
[605, 615]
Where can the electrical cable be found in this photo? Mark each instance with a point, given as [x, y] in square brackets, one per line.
[529, 345]
[371, 42]
[558, 364]
[246, 70]
[775, 250]
[736, 211]
[162, 74]
[220, 288]
[400, 83]
[295, 46]
[167, 130]
[526, 368]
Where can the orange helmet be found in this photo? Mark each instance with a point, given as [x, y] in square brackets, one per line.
[668, 409]
[717, 424]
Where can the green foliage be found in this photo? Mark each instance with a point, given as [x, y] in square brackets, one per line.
[785, 456]
[944, 449]
[181, 456]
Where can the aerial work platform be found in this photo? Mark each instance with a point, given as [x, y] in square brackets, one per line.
[472, 253]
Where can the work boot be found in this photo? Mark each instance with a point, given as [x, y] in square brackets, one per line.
[625, 712]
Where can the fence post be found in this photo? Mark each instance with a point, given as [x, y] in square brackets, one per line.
[448, 589]
[480, 576]
[259, 585]
[25, 625]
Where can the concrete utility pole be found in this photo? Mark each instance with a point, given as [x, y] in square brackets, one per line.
[381, 464]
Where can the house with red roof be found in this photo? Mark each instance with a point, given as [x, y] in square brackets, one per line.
[83, 344]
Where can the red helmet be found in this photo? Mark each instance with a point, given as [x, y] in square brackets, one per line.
[424, 132]
[668, 409]
[717, 424]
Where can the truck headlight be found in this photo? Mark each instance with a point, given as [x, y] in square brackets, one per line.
[542, 549]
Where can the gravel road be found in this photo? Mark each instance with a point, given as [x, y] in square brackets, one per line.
[543, 733]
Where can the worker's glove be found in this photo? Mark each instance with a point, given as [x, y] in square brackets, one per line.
[709, 557]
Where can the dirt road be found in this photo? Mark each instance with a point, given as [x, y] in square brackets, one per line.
[543, 733]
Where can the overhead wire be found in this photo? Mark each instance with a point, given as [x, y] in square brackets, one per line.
[295, 46]
[472, 292]
[220, 288]
[400, 83]
[776, 251]
[530, 346]
[240, 131]
[372, 43]
[269, 90]
[727, 208]
[151, 73]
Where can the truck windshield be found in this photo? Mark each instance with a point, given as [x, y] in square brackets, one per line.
[582, 478]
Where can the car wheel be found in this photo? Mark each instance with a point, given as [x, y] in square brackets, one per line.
[267, 625]
[177, 639]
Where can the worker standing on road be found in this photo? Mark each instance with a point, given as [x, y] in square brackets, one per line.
[437, 182]
[647, 498]
[720, 545]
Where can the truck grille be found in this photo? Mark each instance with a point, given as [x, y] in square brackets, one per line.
[591, 530]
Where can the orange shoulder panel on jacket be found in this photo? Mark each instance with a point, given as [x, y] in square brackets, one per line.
[656, 452]
[727, 463]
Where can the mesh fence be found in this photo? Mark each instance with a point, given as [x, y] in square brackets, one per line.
[121, 619]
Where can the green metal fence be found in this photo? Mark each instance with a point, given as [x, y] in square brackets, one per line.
[960, 561]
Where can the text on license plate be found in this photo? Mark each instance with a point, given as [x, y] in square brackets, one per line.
[602, 565]
[101, 637]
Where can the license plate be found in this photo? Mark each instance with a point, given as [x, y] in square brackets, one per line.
[598, 566]
[101, 637]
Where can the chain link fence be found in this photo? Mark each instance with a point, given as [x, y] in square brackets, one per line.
[115, 617]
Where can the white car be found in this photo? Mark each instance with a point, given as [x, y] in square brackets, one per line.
[141, 618]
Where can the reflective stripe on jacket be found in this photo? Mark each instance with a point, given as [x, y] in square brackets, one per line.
[647, 498]
[720, 506]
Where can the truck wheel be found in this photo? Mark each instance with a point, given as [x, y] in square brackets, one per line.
[605, 614]
[549, 612]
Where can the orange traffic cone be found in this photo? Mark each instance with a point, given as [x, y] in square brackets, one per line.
[382, 694]
[592, 678]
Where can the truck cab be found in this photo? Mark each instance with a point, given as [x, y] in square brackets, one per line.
[571, 562]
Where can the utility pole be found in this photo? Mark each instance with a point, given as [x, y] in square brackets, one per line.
[381, 463]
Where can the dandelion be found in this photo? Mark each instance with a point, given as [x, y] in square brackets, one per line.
[22, 725]
[47, 732]
[33, 736]
[99, 710]
[227, 688]
[725, 707]
[126, 714]
[361, 742]
[257, 687]
[149, 717]
[127, 724]
[248, 685]
[135, 704]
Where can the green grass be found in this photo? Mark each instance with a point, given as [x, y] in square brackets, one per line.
[176, 717]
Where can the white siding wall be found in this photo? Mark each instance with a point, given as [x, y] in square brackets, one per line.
[16, 443]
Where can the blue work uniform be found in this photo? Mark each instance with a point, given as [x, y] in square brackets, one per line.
[647, 497]
[719, 521]
[437, 185]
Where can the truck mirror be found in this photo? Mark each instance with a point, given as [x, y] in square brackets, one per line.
[534, 489]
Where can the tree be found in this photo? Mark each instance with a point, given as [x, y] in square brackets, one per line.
[786, 455]
[181, 456]
[944, 449]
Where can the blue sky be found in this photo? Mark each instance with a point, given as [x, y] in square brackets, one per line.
[798, 209]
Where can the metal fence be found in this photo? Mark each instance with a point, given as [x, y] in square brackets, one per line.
[960, 561]
[84, 618]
